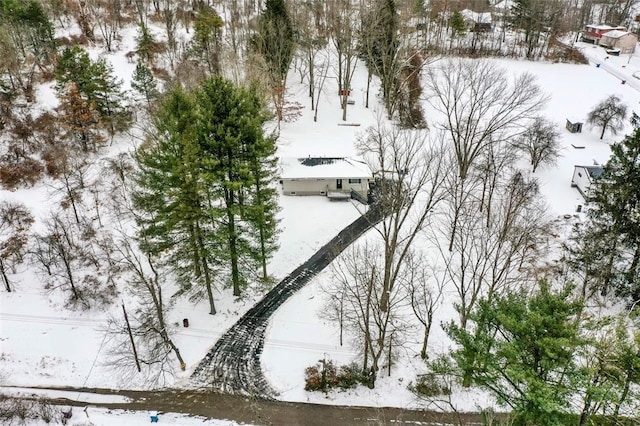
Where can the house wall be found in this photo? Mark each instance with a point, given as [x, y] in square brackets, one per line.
[626, 43]
[581, 180]
[595, 33]
[322, 186]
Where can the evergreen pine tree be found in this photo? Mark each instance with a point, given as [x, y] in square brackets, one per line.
[207, 37]
[380, 47]
[205, 188]
[458, 27]
[145, 44]
[172, 196]
[274, 40]
[79, 119]
[616, 202]
[97, 83]
[262, 206]
[145, 83]
[522, 352]
[237, 155]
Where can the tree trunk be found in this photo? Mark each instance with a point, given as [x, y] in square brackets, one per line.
[261, 224]
[425, 338]
[233, 248]
[69, 272]
[623, 396]
[366, 104]
[207, 276]
[5, 279]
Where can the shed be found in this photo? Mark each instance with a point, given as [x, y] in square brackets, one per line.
[574, 125]
[333, 177]
[623, 40]
[477, 21]
[584, 177]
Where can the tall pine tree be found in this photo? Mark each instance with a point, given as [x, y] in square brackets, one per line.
[205, 185]
[96, 82]
[172, 196]
[616, 202]
[239, 157]
[274, 41]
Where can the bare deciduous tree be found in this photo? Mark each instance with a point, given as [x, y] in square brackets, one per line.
[488, 258]
[480, 105]
[608, 114]
[149, 326]
[71, 185]
[343, 20]
[426, 295]
[107, 16]
[15, 222]
[76, 258]
[319, 79]
[541, 142]
[412, 169]
[311, 21]
[358, 287]
[481, 110]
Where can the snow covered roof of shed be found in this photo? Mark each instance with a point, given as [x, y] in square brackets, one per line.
[324, 168]
[615, 34]
[594, 171]
[477, 17]
[602, 27]
[504, 5]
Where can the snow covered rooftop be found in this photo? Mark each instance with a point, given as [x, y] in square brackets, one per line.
[477, 17]
[594, 171]
[504, 5]
[324, 167]
[602, 27]
[616, 34]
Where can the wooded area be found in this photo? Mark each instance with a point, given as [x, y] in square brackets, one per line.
[191, 209]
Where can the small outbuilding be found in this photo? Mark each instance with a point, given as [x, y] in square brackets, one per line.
[622, 40]
[574, 126]
[584, 177]
[479, 22]
[334, 177]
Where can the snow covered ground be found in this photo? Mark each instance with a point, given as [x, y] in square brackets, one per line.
[43, 345]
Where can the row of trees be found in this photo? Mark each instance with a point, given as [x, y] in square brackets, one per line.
[523, 331]
[204, 187]
[540, 349]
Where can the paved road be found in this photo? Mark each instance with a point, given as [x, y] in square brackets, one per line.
[232, 366]
[262, 412]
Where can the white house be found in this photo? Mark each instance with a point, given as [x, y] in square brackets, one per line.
[617, 39]
[584, 177]
[333, 177]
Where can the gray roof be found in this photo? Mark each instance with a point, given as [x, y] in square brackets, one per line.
[594, 171]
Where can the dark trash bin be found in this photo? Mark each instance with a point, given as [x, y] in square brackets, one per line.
[185, 322]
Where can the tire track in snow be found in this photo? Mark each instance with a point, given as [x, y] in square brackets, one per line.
[233, 364]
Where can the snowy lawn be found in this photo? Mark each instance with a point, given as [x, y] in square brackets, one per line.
[41, 344]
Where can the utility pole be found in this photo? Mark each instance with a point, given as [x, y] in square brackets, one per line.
[133, 344]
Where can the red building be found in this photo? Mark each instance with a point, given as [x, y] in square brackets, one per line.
[593, 33]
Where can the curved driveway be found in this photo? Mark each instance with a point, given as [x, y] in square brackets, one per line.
[233, 364]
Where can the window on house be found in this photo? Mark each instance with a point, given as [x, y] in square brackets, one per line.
[355, 180]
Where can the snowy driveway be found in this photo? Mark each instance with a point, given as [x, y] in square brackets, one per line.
[233, 365]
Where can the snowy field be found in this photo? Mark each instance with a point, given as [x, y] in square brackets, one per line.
[43, 345]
